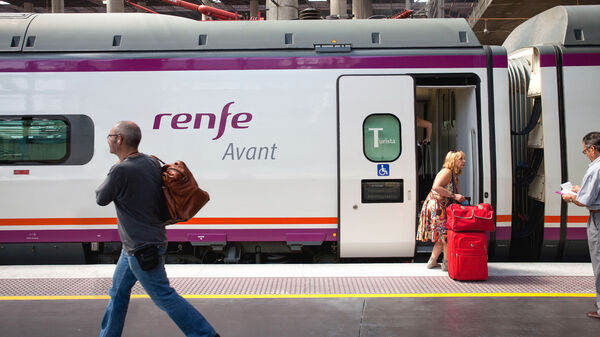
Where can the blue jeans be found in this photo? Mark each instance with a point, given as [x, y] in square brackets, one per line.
[156, 284]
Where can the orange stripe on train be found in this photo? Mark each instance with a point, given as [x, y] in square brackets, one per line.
[232, 221]
[571, 219]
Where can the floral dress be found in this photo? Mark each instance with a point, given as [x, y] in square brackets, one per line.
[432, 221]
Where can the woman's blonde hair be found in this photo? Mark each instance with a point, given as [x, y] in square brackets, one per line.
[450, 161]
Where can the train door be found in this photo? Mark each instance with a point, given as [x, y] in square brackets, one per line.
[377, 169]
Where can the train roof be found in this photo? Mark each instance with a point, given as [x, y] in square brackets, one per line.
[561, 25]
[155, 32]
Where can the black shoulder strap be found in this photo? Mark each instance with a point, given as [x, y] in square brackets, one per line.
[454, 190]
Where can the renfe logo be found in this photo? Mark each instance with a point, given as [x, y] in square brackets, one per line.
[183, 120]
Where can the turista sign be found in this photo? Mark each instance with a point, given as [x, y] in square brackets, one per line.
[208, 121]
[381, 137]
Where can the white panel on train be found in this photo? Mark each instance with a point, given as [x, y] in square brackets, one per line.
[246, 153]
[377, 197]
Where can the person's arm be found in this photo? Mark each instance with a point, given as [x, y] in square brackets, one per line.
[572, 198]
[109, 189]
[428, 127]
[586, 193]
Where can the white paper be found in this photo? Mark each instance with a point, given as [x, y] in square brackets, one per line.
[565, 188]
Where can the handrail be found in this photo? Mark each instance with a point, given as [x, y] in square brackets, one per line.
[216, 13]
[206, 10]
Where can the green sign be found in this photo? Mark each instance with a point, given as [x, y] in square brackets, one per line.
[381, 137]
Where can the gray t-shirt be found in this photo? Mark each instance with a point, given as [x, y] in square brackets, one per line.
[134, 185]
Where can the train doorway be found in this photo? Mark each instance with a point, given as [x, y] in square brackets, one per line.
[377, 170]
[455, 115]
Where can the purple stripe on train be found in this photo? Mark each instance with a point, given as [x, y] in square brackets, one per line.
[503, 233]
[581, 60]
[500, 61]
[186, 235]
[571, 60]
[552, 234]
[230, 235]
[246, 63]
[548, 60]
[280, 63]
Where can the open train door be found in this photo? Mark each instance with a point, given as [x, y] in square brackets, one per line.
[377, 170]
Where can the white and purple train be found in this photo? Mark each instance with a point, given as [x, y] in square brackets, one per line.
[303, 132]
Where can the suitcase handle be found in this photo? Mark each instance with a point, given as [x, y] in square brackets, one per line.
[473, 214]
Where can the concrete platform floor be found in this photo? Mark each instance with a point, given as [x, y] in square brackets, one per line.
[335, 317]
[345, 300]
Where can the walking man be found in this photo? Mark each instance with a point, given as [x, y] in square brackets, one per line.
[134, 186]
[588, 195]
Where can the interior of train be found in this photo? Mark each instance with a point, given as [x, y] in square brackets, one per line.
[453, 112]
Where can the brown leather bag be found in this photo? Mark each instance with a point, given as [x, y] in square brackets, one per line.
[183, 196]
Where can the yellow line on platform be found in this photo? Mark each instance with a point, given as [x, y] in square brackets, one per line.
[285, 296]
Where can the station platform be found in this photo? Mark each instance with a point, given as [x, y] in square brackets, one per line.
[518, 299]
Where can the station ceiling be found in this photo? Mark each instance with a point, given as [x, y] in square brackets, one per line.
[381, 8]
[492, 20]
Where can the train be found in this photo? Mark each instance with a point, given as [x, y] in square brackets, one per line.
[303, 132]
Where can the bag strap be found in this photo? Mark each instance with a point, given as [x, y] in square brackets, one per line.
[185, 178]
[158, 161]
[429, 159]
[463, 208]
[155, 157]
[454, 190]
[426, 163]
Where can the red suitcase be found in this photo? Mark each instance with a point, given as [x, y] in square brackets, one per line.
[467, 256]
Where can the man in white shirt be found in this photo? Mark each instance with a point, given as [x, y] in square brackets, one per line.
[588, 195]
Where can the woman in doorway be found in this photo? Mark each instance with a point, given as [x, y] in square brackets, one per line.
[432, 222]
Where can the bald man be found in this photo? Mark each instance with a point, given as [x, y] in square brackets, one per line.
[134, 185]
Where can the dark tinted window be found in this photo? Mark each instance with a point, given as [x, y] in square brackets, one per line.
[59, 139]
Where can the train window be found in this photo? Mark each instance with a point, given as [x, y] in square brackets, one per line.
[381, 138]
[66, 139]
[382, 191]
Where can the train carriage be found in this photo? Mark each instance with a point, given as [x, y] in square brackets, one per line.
[304, 133]
[554, 63]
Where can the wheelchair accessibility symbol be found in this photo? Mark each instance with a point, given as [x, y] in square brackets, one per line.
[383, 169]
